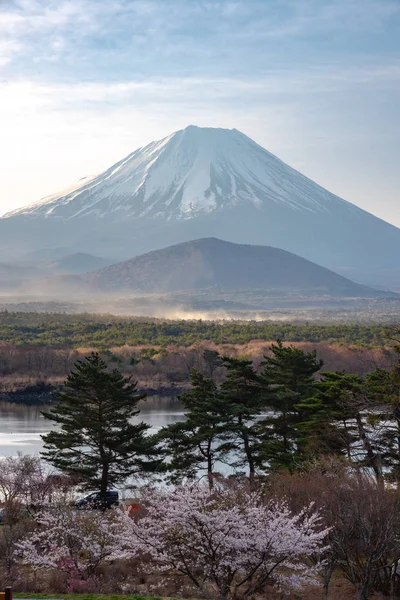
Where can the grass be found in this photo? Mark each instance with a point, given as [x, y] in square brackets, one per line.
[84, 596]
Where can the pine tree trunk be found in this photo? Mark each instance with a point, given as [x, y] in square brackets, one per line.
[210, 474]
[373, 458]
[247, 450]
[250, 459]
[398, 448]
[104, 481]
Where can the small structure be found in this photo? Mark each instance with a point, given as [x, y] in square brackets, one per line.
[7, 594]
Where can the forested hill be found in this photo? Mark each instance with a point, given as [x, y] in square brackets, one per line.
[213, 263]
[63, 330]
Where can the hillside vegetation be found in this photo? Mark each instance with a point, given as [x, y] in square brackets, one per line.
[38, 350]
[213, 263]
[105, 331]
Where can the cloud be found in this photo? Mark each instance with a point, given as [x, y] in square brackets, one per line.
[283, 83]
[8, 48]
[54, 117]
[70, 39]
[307, 17]
[82, 82]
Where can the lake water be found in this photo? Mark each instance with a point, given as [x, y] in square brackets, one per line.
[21, 426]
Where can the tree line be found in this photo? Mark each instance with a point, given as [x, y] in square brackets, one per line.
[105, 331]
[284, 416]
[254, 423]
[34, 374]
[310, 491]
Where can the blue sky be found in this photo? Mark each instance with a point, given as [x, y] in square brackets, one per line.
[316, 82]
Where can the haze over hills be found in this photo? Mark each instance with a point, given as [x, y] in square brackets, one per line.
[204, 182]
[212, 263]
[79, 262]
[12, 276]
[206, 278]
[23, 276]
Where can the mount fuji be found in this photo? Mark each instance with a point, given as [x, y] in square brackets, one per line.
[204, 182]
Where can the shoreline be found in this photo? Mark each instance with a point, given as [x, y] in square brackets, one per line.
[29, 397]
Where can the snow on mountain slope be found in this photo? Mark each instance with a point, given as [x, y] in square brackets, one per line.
[192, 172]
[202, 183]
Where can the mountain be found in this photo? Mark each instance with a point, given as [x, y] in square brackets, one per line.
[212, 263]
[78, 263]
[32, 276]
[204, 182]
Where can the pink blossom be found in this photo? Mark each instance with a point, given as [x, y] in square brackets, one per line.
[236, 541]
[232, 540]
[71, 541]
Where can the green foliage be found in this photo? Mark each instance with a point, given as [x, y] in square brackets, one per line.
[192, 445]
[113, 357]
[212, 360]
[102, 332]
[287, 378]
[384, 389]
[95, 439]
[147, 354]
[242, 394]
[327, 416]
[340, 413]
[308, 413]
[361, 424]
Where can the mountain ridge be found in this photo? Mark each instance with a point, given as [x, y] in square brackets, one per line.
[79, 262]
[198, 157]
[213, 263]
[206, 182]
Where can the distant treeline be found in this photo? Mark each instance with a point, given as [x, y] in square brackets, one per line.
[105, 331]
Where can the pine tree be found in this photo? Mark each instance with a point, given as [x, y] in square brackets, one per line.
[287, 378]
[384, 389]
[326, 425]
[192, 445]
[241, 393]
[95, 439]
[355, 416]
[213, 360]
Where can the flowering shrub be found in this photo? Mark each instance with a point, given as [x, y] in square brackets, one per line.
[237, 543]
[229, 540]
[72, 542]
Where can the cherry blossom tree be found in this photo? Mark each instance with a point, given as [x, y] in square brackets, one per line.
[22, 479]
[26, 481]
[233, 540]
[72, 542]
[230, 540]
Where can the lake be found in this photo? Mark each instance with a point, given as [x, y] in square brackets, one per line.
[21, 426]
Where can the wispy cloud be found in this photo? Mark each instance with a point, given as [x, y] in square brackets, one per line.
[99, 39]
[279, 82]
[84, 81]
[308, 17]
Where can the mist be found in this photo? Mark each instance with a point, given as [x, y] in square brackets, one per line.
[206, 305]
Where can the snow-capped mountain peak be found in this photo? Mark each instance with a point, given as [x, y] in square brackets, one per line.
[202, 183]
[192, 172]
